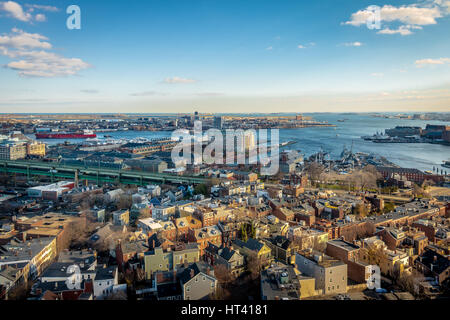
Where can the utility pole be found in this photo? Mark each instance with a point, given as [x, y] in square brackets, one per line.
[76, 178]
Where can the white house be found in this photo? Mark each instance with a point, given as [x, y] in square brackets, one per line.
[105, 280]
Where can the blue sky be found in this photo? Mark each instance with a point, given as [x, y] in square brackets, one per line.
[224, 56]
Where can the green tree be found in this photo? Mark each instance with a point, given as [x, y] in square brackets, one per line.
[201, 189]
[388, 207]
[244, 235]
[252, 231]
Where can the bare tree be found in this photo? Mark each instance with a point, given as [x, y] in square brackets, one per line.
[314, 171]
[362, 180]
[417, 191]
[254, 265]
[360, 209]
[124, 202]
[140, 274]
[409, 282]
[20, 291]
[224, 275]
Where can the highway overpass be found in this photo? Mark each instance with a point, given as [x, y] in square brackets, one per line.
[96, 175]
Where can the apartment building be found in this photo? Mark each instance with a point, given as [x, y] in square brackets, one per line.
[330, 274]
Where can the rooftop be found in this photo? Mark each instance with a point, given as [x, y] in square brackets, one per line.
[17, 250]
[344, 244]
[280, 282]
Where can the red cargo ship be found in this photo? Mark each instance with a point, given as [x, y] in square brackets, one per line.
[66, 135]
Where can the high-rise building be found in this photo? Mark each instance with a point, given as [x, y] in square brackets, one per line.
[12, 151]
[218, 123]
[249, 140]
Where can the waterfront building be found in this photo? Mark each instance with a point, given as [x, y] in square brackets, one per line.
[36, 149]
[12, 150]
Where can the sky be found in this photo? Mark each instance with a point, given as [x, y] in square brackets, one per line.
[224, 56]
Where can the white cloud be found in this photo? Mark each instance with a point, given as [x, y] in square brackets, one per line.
[353, 44]
[269, 48]
[45, 64]
[15, 10]
[409, 16]
[377, 74]
[21, 39]
[178, 80]
[21, 45]
[40, 17]
[146, 94]
[401, 30]
[429, 62]
[308, 45]
[41, 7]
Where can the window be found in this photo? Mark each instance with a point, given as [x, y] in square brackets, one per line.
[188, 289]
[204, 278]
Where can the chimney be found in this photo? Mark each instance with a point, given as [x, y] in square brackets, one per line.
[192, 273]
[434, 258]
[208, 271]
[24, 235]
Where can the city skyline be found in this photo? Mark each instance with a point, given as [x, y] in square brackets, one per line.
[233, 57]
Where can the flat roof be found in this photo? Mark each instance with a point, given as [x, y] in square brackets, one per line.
[344, 244]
